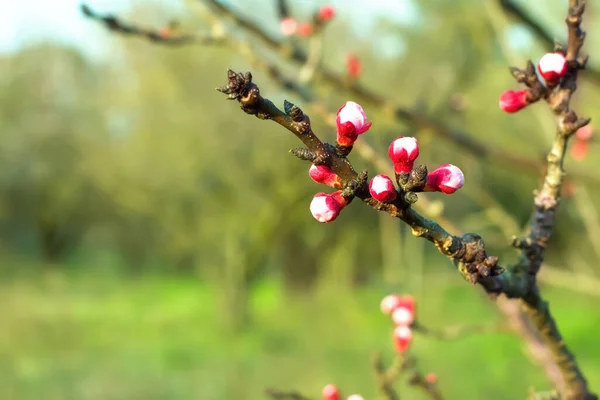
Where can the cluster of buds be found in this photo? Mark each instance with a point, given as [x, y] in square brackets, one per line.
[290, 27]
[581, 147]
[552, 67]
[403, 152]
[402, 311]
[351, 121]
[331, 392]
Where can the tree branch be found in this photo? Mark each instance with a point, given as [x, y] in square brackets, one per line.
[546, 202]
[165, 37]
[468, 251]
[279, 395]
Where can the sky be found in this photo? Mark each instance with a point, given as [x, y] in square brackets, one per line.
[24, 21]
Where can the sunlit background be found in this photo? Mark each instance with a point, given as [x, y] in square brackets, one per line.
[156, 242]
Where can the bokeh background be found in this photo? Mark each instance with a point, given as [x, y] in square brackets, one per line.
[156, 242]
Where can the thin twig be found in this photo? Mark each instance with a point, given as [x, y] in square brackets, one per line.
[459, 331]
[165, 37]
[387, 377]
[280, 395]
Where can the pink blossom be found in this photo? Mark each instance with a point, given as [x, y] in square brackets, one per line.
[382, 189]
[351, 121]
[331, 392]
[324, 175]
[326, 207]
[403, 152]
[512, 101]
[447, 179]
[326, 13]
[552, 66]
[288, 26]
[402, 338]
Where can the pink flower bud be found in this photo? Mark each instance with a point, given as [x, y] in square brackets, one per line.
[351, 121]
[585, 132]
[389, 303]
[165, 32]
[512, 101]
[326, 13]
[305, 29]
[403, 316]
[382, 189]
[324, 175]
[355, 397]
[552, 66]
[580, 149]
[331, 392]
[403, 152]
[402, 338]
[326, 207]
[431, 378]
[393, 301]
[447, 179]
[408, 302]
[288, 26]
[353, 66]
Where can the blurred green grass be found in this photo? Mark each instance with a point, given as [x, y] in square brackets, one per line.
[69, 336]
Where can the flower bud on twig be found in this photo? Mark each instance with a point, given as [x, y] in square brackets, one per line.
[288, 26]
[552, 67]
[331, 392]
[326, 13]
[305, 29]
[447, 179]
[324, 175]
[326, 207]
[402, 338]
[351, 121]
[353, 66]
[512, 101]
[382, 189]
[403, 152]
[403, 316]
[355, 397]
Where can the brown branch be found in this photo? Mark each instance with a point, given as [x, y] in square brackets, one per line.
[430, 388]
[546, 202]
[467, 252]
[387, 377]
[279, 395]
[459, 331]
[402, 363]
[544, 35]
[165, 37]
[516, 317]
[283, 9]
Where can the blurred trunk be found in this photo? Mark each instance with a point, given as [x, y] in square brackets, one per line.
[235, 300]
[53, 241]
[299, 268]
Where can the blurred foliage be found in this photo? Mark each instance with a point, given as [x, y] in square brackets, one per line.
[134, 165]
